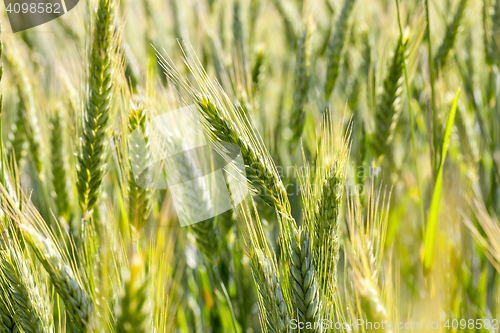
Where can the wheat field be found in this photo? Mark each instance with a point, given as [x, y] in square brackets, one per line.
[252, 166]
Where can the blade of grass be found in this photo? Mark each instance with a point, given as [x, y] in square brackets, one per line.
[430, 235]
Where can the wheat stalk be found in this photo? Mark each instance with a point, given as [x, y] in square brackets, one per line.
[96, 121]
[336, 47]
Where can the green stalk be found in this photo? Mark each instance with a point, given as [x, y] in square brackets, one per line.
[433, 141]
[412, 127]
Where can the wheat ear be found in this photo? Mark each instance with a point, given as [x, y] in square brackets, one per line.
[132, 314]
[272, 301]
[389, 106]
[450, 36]
[139, 197]
[336, 47]
[77, 302]
[289, 16]
[239, 33]
[25, 298]
[301, 83]
[96, 121]
[17, 144]
[59, 168]
[259, 171]
[304, 283]
[28, 120]
[7, 323]
[371, 303]
[207, 231]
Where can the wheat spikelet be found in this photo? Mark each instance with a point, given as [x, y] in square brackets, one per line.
[139, 196]
[301, 83]
[336, 47]
[389, 106]
[59, 170]
[96, 121]
[450, 36]
[305, 288]
[133, 314]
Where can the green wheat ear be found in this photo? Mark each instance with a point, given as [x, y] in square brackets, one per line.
[336, 47]
[59, 168]
[7, 323]
[450, 36]
[304, 283]
[78, 304]
[27, 127]
[302, 74]
[96, 121]
[271, 299]
[139, 197]
[389, 106]
[25, 298]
